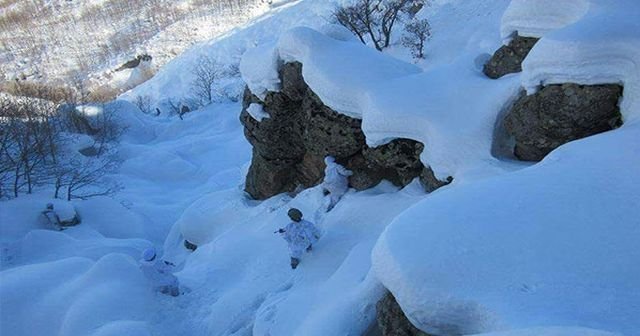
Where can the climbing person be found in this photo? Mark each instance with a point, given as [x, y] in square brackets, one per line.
[158, 272]
[300, 235]
[335, 183]
[50, 217]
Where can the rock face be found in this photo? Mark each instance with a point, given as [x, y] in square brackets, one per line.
[508, 59]
[558, 114]
[392, 321]
[290, 145]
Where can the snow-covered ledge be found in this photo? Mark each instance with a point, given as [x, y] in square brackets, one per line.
[602, 48]
[537, 18]
[336, 67]
[453, 116]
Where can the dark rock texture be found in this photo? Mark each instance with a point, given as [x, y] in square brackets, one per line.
[558, 114]
[392, 321]
[329, 132]
[430, 182]
[400, 159]
[290, 146]
[508, 59]
[268, 177]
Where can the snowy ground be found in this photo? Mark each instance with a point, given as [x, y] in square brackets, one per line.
[464, 255]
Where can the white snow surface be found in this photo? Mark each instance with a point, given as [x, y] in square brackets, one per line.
[452, 110]
[541, 246]
[551, 248]
[505, 252]
[551, 331]
[601, 48]
[338, 71]
[539, 17]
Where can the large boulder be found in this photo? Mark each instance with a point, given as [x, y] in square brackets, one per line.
[508, 59]
[329, 132]
[557, 114]
[289, 147]
[268, 177]
[392, 320]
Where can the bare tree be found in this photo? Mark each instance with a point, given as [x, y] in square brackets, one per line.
[374, 20]
[206, 72]
[144, 104]
[109, 129]
[417, 33]
[32, 135]
[86, 178]
[28, 136]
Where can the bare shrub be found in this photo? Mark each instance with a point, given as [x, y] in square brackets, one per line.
[374, 20]
[143, 103]
[33, 137]
[206, 72]
[417, 33]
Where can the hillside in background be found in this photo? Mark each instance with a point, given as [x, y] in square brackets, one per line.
[56, 41]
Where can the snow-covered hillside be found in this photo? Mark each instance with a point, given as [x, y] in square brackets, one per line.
[53, 42]
[509, 248]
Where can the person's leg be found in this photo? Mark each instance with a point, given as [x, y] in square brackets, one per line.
[294, 262]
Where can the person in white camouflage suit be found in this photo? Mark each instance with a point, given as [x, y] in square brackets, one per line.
[159, 273]
[300, 235]
[335, 183]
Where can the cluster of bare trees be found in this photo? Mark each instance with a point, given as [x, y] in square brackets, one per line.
[49, 33]
[206, 73]
[37, 151]
[373, 21]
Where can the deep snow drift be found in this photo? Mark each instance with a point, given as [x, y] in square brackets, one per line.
[550, 248]
[553, 244]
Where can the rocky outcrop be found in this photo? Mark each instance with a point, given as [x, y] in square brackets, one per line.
[508, 59]
[135, 62]
[429, 181]
[290, 145]
[557, 114]
[392, 321]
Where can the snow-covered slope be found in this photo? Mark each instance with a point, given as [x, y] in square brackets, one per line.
[53, 42]
[173, 82]
[544, 245]
[549, 247]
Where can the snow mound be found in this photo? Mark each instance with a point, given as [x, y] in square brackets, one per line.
[64, 296]
[539, 17]
[505, 252]
[455, 127]
[602, 48]
[338, 71]
[552, 331]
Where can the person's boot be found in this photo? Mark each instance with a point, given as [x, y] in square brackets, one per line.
[310, 247]
[294, 262]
